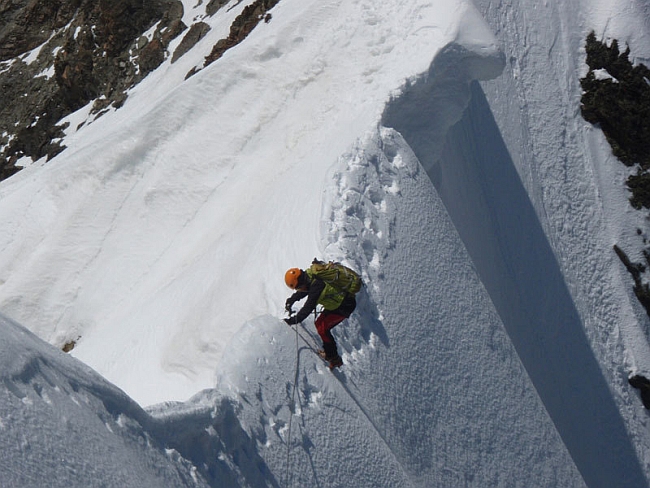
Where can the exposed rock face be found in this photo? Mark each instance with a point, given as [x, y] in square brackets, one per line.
[241, 27]
[25, 25]
[214, 5]
[194, 35]
[87, 50]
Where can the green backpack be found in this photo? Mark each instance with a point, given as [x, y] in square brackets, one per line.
[338, 276]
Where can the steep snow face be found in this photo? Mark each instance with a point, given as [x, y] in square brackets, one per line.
[577, 193]
[493, 215]
[475, 178]
[431, 385]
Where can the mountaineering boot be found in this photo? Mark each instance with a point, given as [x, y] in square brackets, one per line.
[334, 361]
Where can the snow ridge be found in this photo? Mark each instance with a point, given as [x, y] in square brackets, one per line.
[63, 425]
[379, 189]
[380, 193]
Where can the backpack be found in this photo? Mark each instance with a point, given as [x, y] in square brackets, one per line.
[336, 275]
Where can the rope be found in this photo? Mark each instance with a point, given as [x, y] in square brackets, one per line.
[292, 408]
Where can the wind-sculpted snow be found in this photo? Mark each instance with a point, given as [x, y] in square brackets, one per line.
[413, 405]
[63, 425]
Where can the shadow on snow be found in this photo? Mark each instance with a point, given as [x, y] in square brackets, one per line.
[466, 158]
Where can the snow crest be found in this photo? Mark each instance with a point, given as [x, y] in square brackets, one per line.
[62, 425]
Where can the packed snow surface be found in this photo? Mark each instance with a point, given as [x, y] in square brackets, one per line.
[492, 342]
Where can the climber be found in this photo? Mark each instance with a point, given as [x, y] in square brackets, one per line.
[331, 285]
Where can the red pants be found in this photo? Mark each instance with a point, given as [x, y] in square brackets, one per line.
[325, 322]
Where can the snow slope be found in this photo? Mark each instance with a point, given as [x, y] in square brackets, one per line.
[459, 417]
[481, 353]
[64, 425]
[574, 184]
[160, 233]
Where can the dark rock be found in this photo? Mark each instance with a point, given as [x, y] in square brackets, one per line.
[172, 31]
[152, 56]
[214, 5]
[194, 35]
[643, 385]
[241, 27]
[621, 108]
[121, 21]
[27, 24]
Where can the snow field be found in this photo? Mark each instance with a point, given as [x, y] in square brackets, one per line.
[159, 236]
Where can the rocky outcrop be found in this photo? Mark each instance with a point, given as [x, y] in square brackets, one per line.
[642, 384]
[244, 23]
[59, 55]
[25, 25]
[214, 5]
[241, 27]
[194, 35]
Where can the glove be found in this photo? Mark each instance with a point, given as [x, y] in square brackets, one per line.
[288, 304]
[290, 320]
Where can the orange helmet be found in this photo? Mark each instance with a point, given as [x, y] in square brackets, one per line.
[291, 277]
